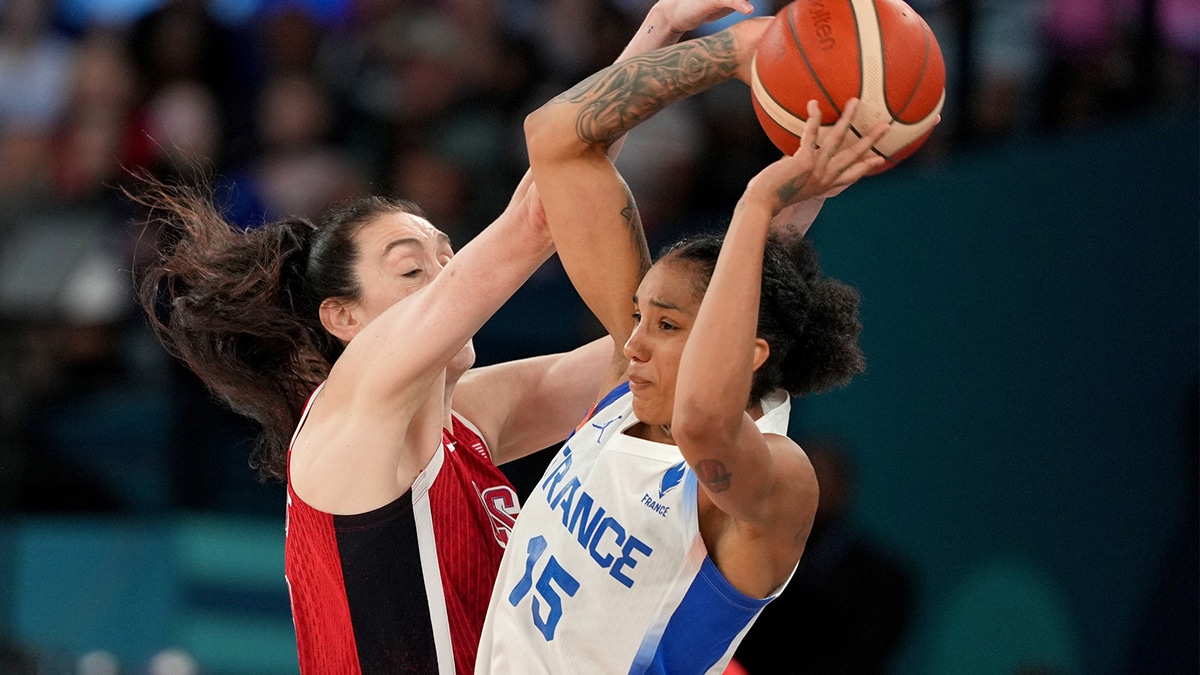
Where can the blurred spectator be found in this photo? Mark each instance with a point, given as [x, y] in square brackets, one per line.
[992, 53]
[440, 185]
[181, 40]
[1109, 59]
[850, 602]
[99, 133]
[290, 40]
[35, 69]
[299, 172]
[183, 122]
[35, 63]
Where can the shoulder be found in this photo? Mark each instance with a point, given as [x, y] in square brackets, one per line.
[794, 466]
[788, 502]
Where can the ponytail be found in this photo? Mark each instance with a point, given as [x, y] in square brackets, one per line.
[236, 308]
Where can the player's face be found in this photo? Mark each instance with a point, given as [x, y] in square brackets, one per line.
[665, 309]
[399, 254]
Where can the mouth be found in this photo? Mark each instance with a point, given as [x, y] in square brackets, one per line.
[636, 382]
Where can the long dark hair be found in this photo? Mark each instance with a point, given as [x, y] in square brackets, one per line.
[810, 321]
[240, 308]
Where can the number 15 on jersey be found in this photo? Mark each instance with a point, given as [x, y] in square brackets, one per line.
[552, 579]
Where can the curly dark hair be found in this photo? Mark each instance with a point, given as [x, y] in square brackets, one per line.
[810, 321]
[240, 308]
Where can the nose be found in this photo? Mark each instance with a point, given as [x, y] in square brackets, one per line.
[635, 347]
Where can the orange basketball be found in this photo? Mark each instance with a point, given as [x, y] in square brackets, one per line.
[880, 51]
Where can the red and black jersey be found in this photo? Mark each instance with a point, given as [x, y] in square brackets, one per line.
[403, 588]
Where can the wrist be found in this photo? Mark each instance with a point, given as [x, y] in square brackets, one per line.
[658, 22]
[755, 206]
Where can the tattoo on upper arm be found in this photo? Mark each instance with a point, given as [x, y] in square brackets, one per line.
[623, 95]
[636, 234]
[713, 475]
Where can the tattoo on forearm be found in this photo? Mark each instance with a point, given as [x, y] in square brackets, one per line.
[713, 475]
[636, 234]
[625, 94]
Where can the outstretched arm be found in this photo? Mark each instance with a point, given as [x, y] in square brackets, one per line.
[380, 414]
[734, 462]
[396, 356]
[590, 210]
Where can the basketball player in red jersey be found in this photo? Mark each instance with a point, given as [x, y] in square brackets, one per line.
[397, 514]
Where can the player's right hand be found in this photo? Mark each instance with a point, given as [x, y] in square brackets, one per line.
[823, 163]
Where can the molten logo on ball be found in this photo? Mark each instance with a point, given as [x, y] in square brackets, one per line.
[822, 26]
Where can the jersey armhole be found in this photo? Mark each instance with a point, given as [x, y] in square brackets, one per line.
[487, 448]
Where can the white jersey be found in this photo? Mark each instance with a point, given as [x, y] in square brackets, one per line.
[606, 572]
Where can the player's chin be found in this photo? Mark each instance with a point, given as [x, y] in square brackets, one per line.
[646, 407]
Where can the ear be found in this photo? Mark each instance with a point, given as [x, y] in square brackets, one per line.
[338, 318]
[762, 350]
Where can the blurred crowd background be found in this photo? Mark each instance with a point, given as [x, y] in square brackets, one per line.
[988, 458]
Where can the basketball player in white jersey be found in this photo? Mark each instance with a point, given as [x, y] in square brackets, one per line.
[679, 508]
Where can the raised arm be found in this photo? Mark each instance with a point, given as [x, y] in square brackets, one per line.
[590, 210]
[752, 478]
[544, 397]
[666, 22]
[396, 356]
[380, 415]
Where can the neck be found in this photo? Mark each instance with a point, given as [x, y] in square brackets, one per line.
[657, 433]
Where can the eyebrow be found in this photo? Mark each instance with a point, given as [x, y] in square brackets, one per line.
[664, 305]
[442, 237]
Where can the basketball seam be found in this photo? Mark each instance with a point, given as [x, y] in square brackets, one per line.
[775, 100]
[862, 70]
[862, 66]
[811, 71]
[920, 76]
[883, 76]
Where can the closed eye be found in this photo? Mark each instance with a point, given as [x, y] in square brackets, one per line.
[414, 273]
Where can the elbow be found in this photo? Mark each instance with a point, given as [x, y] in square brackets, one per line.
[550, 137]
[694, 425]
[539, 135]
